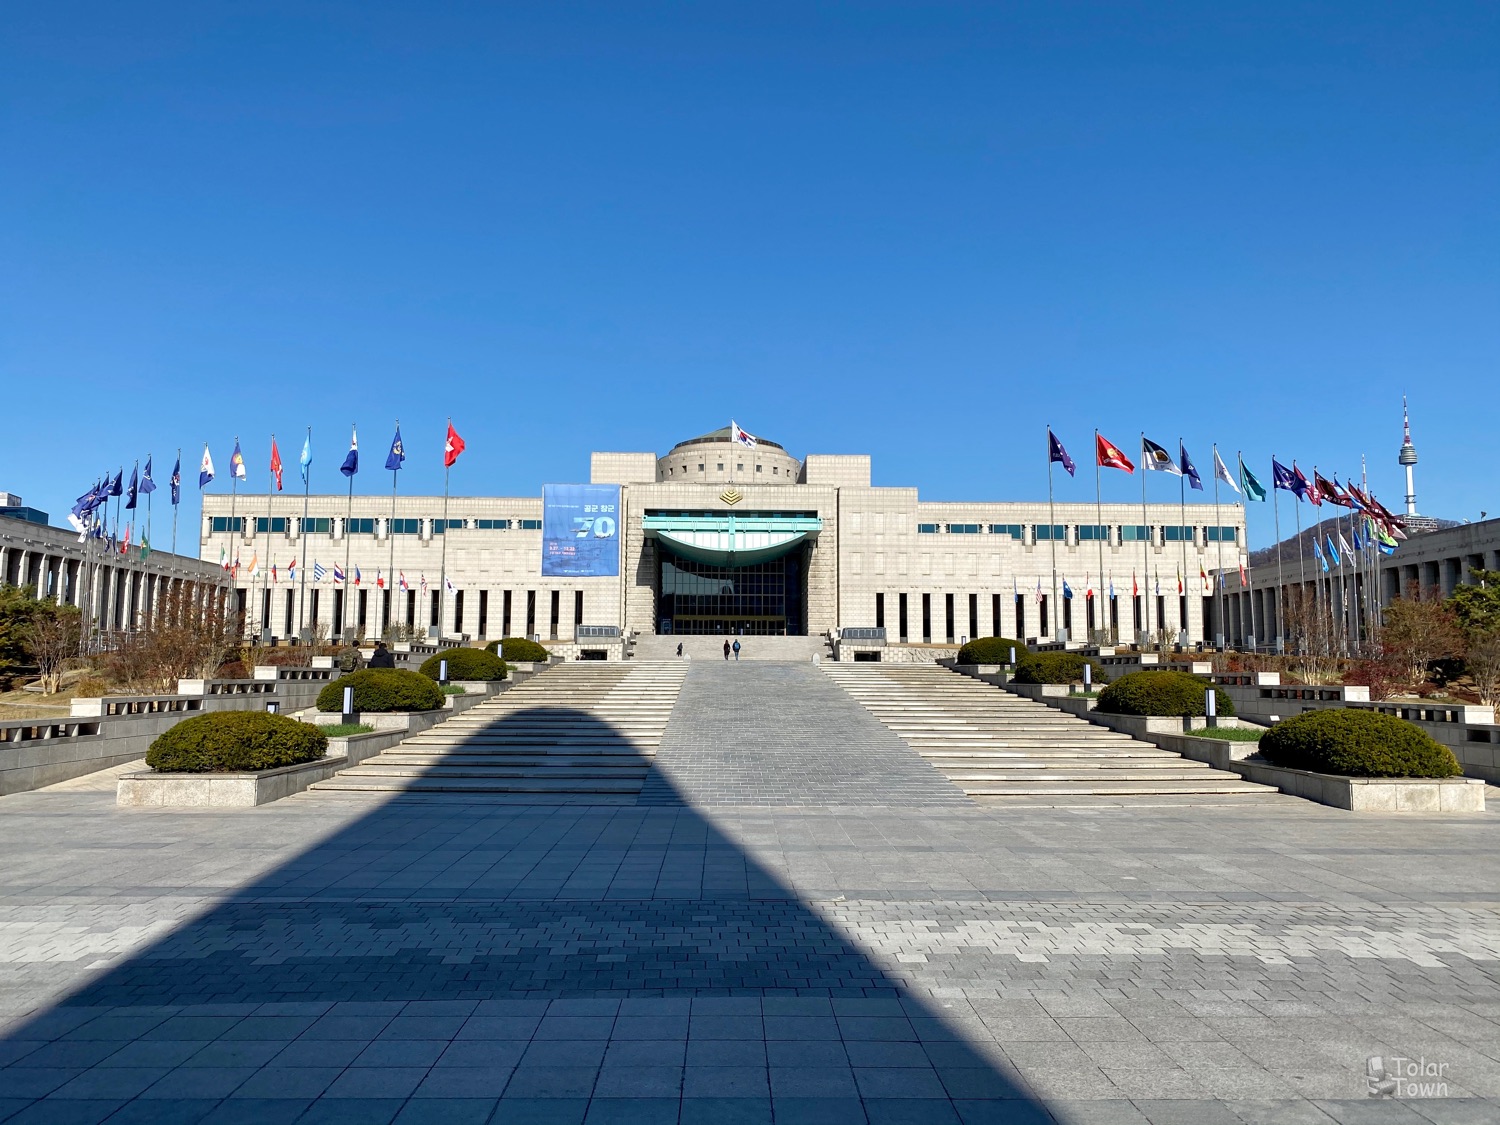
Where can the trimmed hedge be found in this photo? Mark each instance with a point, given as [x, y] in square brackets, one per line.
[515, 649]
[991, 650]
[234, 742]
[1357, 744]
[1163, 693]
[465, 664]
[1057, 668]
[382, 689]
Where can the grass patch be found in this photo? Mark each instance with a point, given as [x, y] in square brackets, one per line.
[1084, 695]
[339, 730]
[1230, 734]
[453, 689]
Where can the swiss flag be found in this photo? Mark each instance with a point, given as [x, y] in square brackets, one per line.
[452, 447]
[1109, 455]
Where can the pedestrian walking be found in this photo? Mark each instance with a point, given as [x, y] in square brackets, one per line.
[736, 650]
[382, 657]
[679, 648]
[726, 650]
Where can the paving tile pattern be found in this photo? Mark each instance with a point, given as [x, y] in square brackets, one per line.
[783, 735]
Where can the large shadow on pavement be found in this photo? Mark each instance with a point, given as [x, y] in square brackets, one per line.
[461, 959]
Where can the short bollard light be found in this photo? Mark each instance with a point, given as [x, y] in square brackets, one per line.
[273, 706]
[349, 716]
[1211, 707]
[1012, 656]
[443, 672]
[1088, 677]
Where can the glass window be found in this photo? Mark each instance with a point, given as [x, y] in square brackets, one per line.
[1014, 530]
[318, 525]
[531, 525]
[963, 529]
[1093, 533]
[278, 524]
[927, 529]
[361, 527]
[721, 466]
[492, 525]
[1176, 533]
[226, 523]
[757, 468]
[1223, 534]
[451, 525]
[1051, 531]
[406, 527]
[1135, 533]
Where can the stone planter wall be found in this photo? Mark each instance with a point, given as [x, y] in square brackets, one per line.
[1370, 794]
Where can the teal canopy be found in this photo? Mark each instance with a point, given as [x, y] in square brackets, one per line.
[730, 540]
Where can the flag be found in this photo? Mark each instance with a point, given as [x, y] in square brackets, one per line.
[145, 548]
[1108, 456]
[125, 543]
[254, 565]
[351, 459]
[1281, 477]
[175, 481]
[205, 468]
[223, 558]
[237, 462]
[1039, 590]
[276, 464]
[1111, 587]
[235, 569]
[453, 445]
[356, 576]
[338, 574]
[305, 461]
[1056, 452]
[1332, 553]
[1156, 458]
[404, 584]
[738, 435]
[115, 488]
[379, 581]
[1203, 574]
[1179, 583]
[1221, 471]
[1344, 543]
[1135, 587]
[131, 492]
[148, 486]
[1303, 487]
[1244, 578]
[1186, 468]
[1251, 485]
[319, 573]
[1088, 586]
[1067, 591]
[1158, 583]
[448, 584]
[1318, 554]
[1329, 490]
[397, 454]
[274, 576]
[291, 571]
[424, 584]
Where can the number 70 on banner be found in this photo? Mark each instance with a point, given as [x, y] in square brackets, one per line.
[599, 527]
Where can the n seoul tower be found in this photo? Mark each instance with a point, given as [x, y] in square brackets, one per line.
[1408, 458]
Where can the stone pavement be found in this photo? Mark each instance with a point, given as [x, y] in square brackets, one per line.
[379, 960]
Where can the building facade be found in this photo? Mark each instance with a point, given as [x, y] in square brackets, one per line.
[719, 537]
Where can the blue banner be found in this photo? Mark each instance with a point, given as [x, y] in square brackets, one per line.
[581, 530]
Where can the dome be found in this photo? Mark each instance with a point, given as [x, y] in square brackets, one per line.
[716, 458]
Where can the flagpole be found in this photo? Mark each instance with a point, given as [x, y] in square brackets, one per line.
[443, 562]
[1099, 520]
[234, 533]
[1280, 576]
[265, 574]
[1219, 531]
[302, 537]
[150, 461]
[1145, 547]
[1249, 582]
[1182, 597]
[179, 497]
[1301, 561]
[344, 613]
[1054, 617]
[390, 535]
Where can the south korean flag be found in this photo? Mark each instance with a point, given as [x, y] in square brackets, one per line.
[738, 435]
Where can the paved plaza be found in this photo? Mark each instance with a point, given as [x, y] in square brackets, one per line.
[795, 923]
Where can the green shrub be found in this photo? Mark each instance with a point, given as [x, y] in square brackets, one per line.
[1160, 693]
[1056, 668]
[465, 664]
[991, 650]
[235, 741]
[382, 689]
[515, 649]
[1356, 744]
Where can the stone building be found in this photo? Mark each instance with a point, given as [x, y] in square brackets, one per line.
[716, 537]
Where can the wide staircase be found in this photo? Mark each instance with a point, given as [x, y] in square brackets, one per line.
[785, 649]
[579, 733]
[1002, 748]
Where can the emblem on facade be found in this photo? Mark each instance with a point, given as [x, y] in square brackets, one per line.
[731, 496]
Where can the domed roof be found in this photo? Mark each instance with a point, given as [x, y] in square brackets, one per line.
[721, 436]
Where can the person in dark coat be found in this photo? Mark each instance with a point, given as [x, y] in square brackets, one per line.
[726, 650]
[381, 657]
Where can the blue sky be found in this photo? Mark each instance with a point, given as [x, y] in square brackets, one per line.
[921, 231]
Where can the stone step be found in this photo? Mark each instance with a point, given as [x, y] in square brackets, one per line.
[348, 779]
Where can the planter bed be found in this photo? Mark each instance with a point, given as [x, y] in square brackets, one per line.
[1369, 794]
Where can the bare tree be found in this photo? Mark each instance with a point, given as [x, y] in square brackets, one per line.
[1315, 637]
[191, 634]
[1419, 629]
[1482, 659]
[51, 639]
